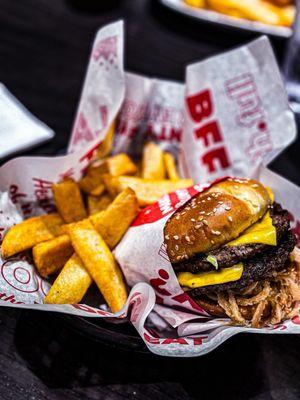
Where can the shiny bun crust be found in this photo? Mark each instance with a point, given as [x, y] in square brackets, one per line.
[214, 217]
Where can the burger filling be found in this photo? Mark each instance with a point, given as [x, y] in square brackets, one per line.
[263, 248]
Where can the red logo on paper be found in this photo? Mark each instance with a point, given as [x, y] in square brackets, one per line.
[242, 89]
[82, 131]
[106, 50]
[295, 226]
[201, 109]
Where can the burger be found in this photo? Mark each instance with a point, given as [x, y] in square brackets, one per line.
[232, 249]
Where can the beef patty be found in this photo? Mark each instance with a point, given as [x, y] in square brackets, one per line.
[227, 256]
[257, 268]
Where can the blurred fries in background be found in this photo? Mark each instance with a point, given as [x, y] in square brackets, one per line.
[93, 216]
[272, 12]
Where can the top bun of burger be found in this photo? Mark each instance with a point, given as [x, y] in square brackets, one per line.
[215, 217]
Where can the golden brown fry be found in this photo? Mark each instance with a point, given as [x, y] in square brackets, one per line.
[98, 190]
[256, 10]
[105, 147]
[30, 232]
[71, 284]
[120, 164]
[171, 166]
[196, 3]
[50, 256]
[153, 166]
[92, 180]
[287, 15]
[116, 219]
[68, 200]
[100, 263]
[147, 191]
[96, 204]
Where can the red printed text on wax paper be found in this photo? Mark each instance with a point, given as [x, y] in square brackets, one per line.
[208, 132]
[243, 91]
[19, 197]
[43, 194]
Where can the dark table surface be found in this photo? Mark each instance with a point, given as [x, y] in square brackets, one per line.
[44, 47]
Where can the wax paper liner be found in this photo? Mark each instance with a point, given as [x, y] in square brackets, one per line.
[26, 182]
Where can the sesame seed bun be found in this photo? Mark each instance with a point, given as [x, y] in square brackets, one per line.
[214, 217]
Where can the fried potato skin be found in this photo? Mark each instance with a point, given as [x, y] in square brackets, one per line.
[147, 191]
[96, 204]
[99, 262]
[50, 256]
[116, 219]
[30, 232]
[71, 284]
[68, 200]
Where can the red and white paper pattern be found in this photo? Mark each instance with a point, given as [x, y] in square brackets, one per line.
[220, 110]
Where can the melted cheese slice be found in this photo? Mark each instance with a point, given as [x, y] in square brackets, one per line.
[187, 279]
[262, 231]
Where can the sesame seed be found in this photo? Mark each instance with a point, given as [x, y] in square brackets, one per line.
[209, 213]
[176, 247]
[215, 209]
[230, 219]
[209, 198]
[167, 237]
[255, 185]
[185, 256]
[218, 233]
[193, 220]
[205, 222]
[187, 238]
[220, 202]
[212, 241]
[202, 212]
[227, 208]
[178, 258]
[176, 237]
[236, 186]
[198, 226]
[183, 212]
[172, 252]
[177, 217]
[202, 201]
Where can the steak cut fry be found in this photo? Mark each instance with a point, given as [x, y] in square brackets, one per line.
[71, 284]
[50, 256]
[171, 166]
[147, 191]
[68, 200]
[153, 166]
[120, 164]
[99, 262]
[30, 232]
[116, 219]
[107, 144]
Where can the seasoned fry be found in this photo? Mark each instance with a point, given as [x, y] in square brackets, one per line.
[92, 181]
[96, 204]
[147, 191]
[30, 232]
[106, 146]
[254, 10]
[153, 166]
[100, 263]
[68, 200]
[171, 166]
[50, 256]
[71, 284]
[120, 164]
[98, 190]
[116, 219]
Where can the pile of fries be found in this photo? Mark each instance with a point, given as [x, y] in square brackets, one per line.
[272, 12]
[92, 216]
